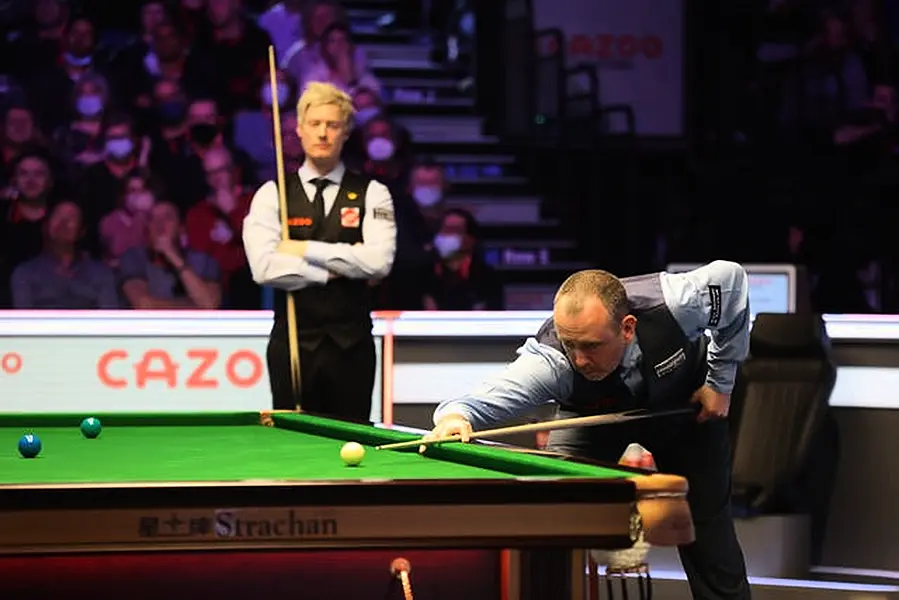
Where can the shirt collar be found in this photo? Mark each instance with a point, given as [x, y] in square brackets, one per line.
[307, 174]
[632, 355]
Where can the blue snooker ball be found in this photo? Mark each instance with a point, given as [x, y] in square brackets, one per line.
[91, 427]
[29, 445]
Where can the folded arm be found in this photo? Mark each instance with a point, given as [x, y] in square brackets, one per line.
[714, 298]
[538, 376]
[261, 237]
[373, 258]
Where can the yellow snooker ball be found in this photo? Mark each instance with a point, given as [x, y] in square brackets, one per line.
[352, 453]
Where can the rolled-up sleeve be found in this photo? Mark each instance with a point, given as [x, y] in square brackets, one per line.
[713, 298]
[261, 237]
[373, 258]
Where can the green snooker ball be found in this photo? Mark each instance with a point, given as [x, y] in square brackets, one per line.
[91, 427]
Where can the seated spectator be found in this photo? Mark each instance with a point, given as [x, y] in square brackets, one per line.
[23, 211]
[214, 225]
[63, 276]
[130, 59]
[461, 280]
[181, 161]
[240, 48]
[338, 65]
[368, 106]
[80, 142]
[57, 80]
[126, 226]
[19, 133]
[166, 275]
[253, 129]
[291, 145]
[305, 55]
[99, 186]
[34, 49]
[385, 155]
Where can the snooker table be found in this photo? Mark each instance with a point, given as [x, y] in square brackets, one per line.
[164, 502]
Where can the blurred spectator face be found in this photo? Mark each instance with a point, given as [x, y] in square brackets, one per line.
[164, 221]
[323, 15]
[48, 13]
[427, 184]
[80, 39]
[202, 120]
[119, 142]
[219, 169]
[835, 33]
[322, 132]
[32, 178]
[379, 140]
[151, 15]
[222, 12]
[64, 224]
[89, 101]
[453, 238]
[282, 86]
[167, 43]
[336, 45]
[884, 97]
[138, 199]
[19, 126]
[170, 103]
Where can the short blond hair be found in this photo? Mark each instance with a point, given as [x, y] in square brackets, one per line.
[318, 93]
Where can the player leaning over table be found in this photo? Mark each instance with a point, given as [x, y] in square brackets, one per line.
[618, 344]
[343, 234]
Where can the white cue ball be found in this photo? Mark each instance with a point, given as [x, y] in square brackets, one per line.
[352, 453]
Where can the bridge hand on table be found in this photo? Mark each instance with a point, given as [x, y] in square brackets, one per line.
[450, 425]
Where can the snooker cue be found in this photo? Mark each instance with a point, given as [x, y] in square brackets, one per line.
[292, 342]
[588, 421]
[400, 569]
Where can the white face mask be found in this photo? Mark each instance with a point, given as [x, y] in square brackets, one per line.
[139, 202]
[380, 148]
[447, 245]
[266, 94]
[427, 195]
[365, 115]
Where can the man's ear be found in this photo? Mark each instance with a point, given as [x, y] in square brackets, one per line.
[629, 327]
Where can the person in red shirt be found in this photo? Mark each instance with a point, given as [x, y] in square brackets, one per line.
[214, 226]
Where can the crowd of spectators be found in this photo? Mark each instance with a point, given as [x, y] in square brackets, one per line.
[127, 152]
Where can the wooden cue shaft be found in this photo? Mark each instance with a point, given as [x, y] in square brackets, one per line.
[587, 421]
[292, 342]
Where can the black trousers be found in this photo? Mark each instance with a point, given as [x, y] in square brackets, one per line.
[336, 382]
[714, 562]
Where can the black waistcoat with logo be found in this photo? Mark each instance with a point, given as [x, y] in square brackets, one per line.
[340, 309]
[672, 366]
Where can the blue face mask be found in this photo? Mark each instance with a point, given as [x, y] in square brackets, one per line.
[447, 245]
[119, 147]
[89, 106]
[265, 94]
[427, 195]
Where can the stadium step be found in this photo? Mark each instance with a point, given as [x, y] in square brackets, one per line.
[502, 211]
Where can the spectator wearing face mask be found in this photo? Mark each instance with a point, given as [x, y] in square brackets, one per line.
[385, 154]
[80, 142]
[57, 80]
[126, 226]
[338, 65]
[253, 128]
[461, 279]
[63, 276]
[98, 187]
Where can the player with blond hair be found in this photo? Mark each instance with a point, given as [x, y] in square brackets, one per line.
[342, 235]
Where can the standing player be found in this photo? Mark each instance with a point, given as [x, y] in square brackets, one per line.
[342, 235]
[619, 344]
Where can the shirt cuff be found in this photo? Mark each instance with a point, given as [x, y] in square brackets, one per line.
[721, 376]
[317, 253]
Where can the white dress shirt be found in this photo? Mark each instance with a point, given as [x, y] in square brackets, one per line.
[371, 259]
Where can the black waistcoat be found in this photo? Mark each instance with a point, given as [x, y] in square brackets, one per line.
[341, 309]
[672, 367]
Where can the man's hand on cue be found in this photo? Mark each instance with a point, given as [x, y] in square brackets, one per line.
[449, 425]
[715, 405]
[295, 247]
